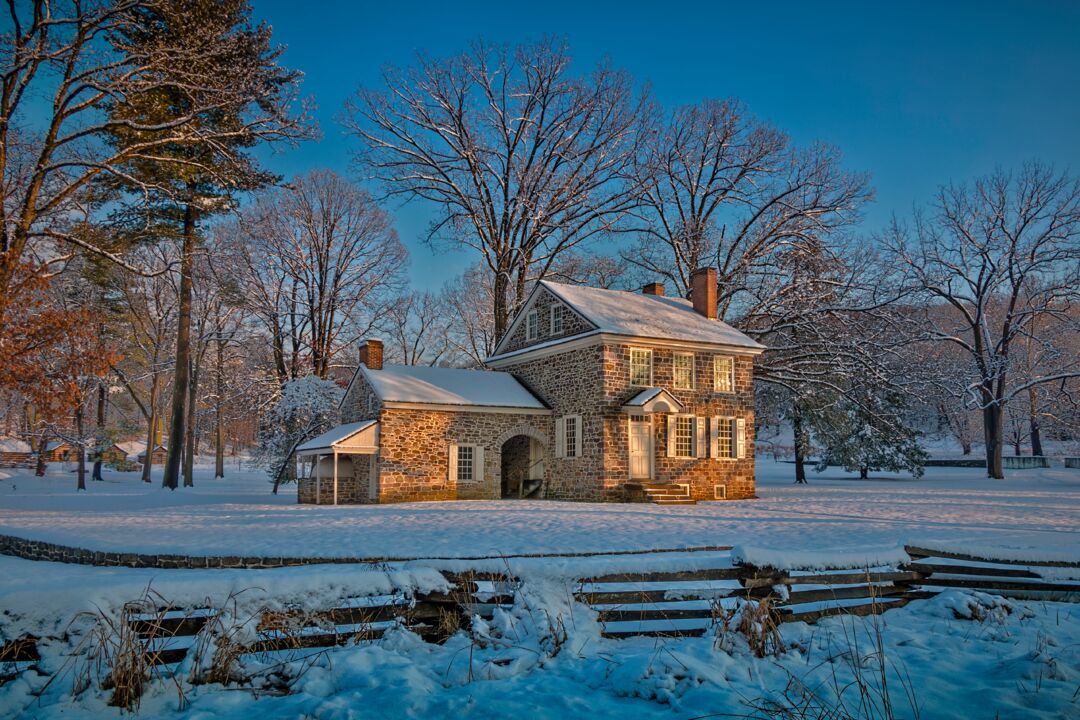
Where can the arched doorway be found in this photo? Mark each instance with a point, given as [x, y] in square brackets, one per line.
[522, 453]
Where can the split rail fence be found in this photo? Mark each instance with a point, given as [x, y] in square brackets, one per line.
[677, 603]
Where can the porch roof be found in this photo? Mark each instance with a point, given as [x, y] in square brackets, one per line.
[654, 399]
[349, 438]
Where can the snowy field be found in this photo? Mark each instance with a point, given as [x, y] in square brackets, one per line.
[545, 657]
[1032, 515]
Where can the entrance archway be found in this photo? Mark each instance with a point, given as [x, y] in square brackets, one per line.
[522, 453]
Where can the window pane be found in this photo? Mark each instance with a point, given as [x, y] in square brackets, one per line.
[723, 437]
[684, 436]
[531, 325]
[684, 371]
[724, 367]
[640, 367]
[571, 437]
[556, 319]
[465, 463]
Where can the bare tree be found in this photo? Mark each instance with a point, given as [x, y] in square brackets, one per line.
[719, 188]
[317, 262]
[994, 259]
[417, 326]
[522, 159]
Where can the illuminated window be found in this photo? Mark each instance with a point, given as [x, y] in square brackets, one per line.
[723, 438]
[724, 374]
[684, 436]
[640, 367]
[684, 371]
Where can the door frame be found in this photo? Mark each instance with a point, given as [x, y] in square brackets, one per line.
[651, 452]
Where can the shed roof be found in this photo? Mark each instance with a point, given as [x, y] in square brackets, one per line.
[335, 436]
[14, 445]
[449, 386]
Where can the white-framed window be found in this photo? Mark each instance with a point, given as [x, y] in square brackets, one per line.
[557, 320]
[685, 436]
[724, 374]
[641, 370]
[466, 463]
[723, 437]
[683, 371]
[532, 325]
[568, 436]
[728, 438]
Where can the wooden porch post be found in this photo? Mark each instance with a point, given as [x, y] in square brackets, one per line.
[335, 477]
[318, 480]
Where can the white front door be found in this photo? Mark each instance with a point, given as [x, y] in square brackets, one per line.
[641, 447]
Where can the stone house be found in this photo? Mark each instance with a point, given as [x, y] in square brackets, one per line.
[592, 395]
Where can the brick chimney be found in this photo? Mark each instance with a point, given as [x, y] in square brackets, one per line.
[653, 288]
[371, 354]
[703, 291]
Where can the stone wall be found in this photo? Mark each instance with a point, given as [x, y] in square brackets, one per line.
[594, 382]
[360, 401]
[573, 324]
[413, 459]
[353, 481]
[571, 383]
[701, 473]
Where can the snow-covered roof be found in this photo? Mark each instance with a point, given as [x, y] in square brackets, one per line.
[14, 445]
[620, 312]
[633, 314]
[650, 397]
[50, 446]
[335, 436]
[449, 386]
[132, 447]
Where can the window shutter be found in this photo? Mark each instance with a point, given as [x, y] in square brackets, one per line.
[740, 435]
[577, 437]
[699, 438]
[451, 474]
[714, 439]
[478, 463]
[560, 437]
[671, 436]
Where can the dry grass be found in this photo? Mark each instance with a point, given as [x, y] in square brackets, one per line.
[757, 621]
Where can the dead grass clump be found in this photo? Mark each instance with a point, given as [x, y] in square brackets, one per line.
[757, 621]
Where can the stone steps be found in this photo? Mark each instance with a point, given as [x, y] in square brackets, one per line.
[667, 494]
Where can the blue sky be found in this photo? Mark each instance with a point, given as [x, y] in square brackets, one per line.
[915, 93]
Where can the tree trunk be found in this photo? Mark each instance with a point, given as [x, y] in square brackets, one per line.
[181, 379]
[993, 434]
[39, 471]
[151, 431]
[965, 447]
[800, 444]
[79, 446]
[1036, 436]
[501, 289]
[100, 429]
[864, 473]
[191, 445]
[219, 424]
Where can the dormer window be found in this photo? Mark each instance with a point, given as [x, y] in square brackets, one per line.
[532, 325]
[557, 320]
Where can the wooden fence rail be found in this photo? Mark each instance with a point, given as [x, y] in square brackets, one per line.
[674, 603]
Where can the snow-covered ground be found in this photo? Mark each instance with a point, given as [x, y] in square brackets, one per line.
[1032, 515]
[545, 658]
